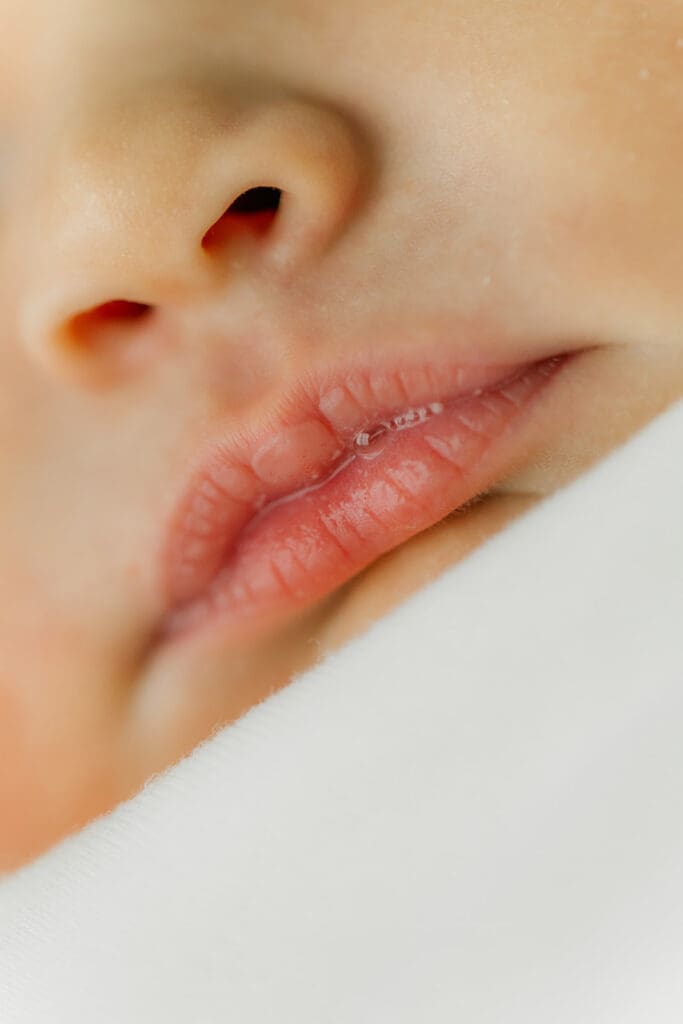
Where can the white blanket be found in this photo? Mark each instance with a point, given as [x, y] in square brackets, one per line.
[474, 813]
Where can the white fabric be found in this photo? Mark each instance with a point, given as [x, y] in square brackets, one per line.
[474, 813]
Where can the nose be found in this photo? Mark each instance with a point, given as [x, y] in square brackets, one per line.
[170, 204]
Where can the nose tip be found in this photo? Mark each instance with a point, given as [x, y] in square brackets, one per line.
[170, 210]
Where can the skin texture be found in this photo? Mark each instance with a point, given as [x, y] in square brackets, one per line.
[517, 162]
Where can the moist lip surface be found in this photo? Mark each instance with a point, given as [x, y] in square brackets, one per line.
[271, 523]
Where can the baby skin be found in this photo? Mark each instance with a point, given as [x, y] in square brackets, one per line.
[301, 302]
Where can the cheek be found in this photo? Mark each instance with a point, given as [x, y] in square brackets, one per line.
[59, 734]
[36, 645]
[23, 764]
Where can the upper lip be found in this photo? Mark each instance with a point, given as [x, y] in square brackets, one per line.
[236, 475]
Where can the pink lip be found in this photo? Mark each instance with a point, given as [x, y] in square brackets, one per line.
[272, 521]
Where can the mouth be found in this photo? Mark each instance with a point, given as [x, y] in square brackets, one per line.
[274, 520]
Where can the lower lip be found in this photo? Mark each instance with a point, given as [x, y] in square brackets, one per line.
[301, 549]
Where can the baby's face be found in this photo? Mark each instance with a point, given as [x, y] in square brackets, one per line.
[213, 423]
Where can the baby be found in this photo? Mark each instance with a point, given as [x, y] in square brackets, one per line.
[301, 302]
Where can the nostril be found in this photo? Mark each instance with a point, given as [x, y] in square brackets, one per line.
[86, 327]
[257, 200]
[253, 211]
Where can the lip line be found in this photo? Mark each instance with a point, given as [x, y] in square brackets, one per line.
[349, 455]
[237, 448]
